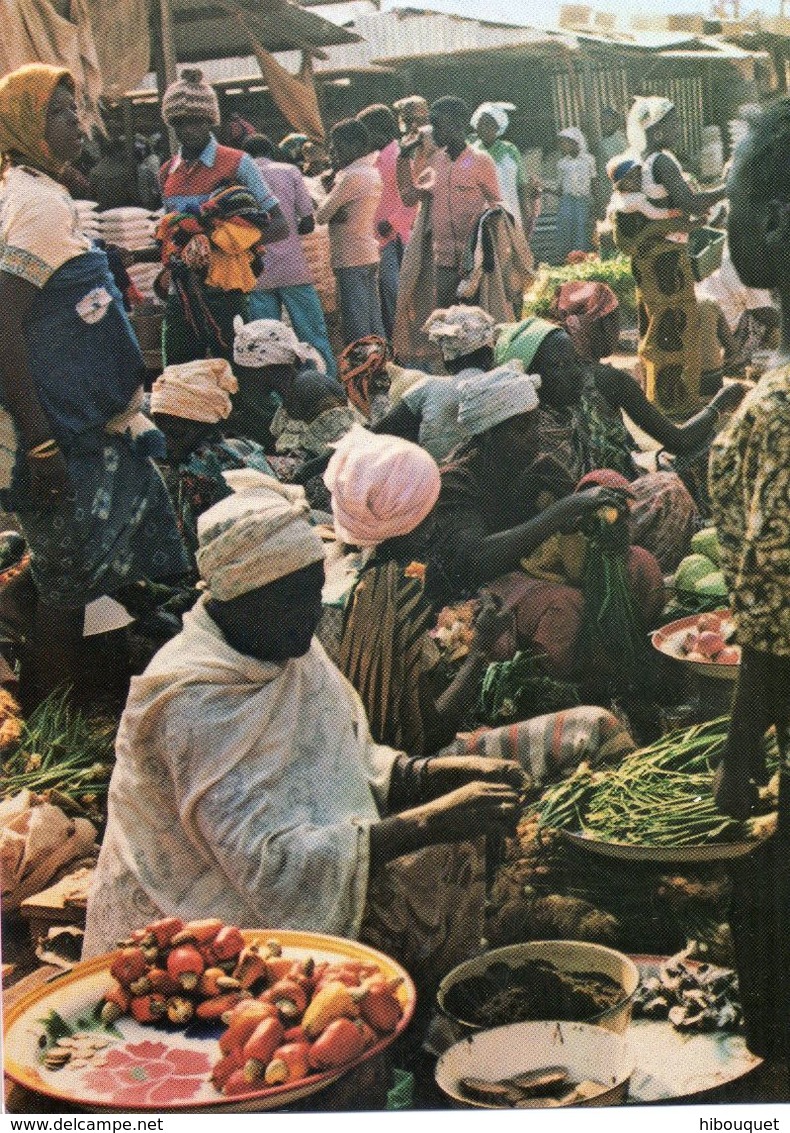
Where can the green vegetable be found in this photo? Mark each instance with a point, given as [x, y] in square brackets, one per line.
[691, 570]
[706, 542]
[64, 756]
[658, 796]
[712, 585]
[516, 689]
[616, 272]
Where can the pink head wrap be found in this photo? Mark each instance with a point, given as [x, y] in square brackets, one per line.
[381, 487]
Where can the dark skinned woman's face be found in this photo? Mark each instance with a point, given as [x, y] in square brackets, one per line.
[561, 370]
[62, 131]
[275, 622]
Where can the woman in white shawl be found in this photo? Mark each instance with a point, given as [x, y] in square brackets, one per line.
[247, 785]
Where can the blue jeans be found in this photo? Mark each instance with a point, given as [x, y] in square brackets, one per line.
[305, 312]
[389, 274]
[360, 306]
[572, 219]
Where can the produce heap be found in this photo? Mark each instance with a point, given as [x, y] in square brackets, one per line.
[286, 1018]
[659, 796]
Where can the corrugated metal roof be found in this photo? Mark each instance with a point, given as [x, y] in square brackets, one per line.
[206, 29]
[409, 33]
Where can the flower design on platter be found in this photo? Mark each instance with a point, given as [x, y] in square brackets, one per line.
[148, 1073]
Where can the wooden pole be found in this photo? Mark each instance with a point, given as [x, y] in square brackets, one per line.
[164, 54]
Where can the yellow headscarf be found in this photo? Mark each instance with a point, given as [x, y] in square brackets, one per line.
[24, 98]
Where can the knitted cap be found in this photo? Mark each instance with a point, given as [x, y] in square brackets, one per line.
[190, 96]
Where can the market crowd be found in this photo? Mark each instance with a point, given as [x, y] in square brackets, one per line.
[356, 429]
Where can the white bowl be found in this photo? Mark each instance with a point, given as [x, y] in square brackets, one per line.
[566, 956]
[587, 1052]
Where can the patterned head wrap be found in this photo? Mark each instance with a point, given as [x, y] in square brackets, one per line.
[266, 342]
[381, 487]
[252, 538]
[647, 111]
[190, 97]
[24, 99]
[359, 364]
[197, 391]
[497, 111]
[488, 399]
[460, 330]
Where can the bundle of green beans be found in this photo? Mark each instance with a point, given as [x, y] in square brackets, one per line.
[64, 756]
[658, 796]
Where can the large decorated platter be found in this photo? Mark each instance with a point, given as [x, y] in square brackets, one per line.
[58, 1040]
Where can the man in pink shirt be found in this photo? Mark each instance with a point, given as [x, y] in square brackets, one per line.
[394, 219]
[463, 183]
[350, 213]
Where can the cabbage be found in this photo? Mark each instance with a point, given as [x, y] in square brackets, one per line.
[691, 570]
[712, 585]
[706, 543]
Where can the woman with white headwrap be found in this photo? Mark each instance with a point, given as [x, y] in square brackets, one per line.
[520, 193]
[492, 515]
[576, 175]
[247, 785]
[669, 317]
[383, 492]
[190, 403]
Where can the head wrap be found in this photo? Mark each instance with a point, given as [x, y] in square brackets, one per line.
[488, 399]
[359, 364]
[579, 306]
[253, 537]
[521, 340]
[460, 330]
[266, 342]
[605, 478]
[190, 97]
[381, 487]
[197, 391]
[575, 135]
[24, 99]
[647, 111]
[620, 166]
[497, 111]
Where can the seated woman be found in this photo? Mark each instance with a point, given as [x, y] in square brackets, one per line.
[581, 427]
[383, 493]
[267, 356]
[247, 785]
[491, 515]
[188, 403]
[427, 413]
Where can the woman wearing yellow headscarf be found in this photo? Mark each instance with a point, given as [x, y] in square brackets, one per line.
[89, 500]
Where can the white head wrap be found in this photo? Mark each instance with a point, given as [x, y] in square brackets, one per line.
[266, 342]
[575, 135]
[497, 111]
[488, 399]
[197, 391]
[647, 111]
[460, 330]
[381, 487]
[252, 538]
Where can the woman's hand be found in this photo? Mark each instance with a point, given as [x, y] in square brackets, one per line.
[446, 773]
[490, 623]
[50, 485]
[477, 808]
[573, 510]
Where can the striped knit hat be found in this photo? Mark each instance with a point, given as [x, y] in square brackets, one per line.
[190, 96]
